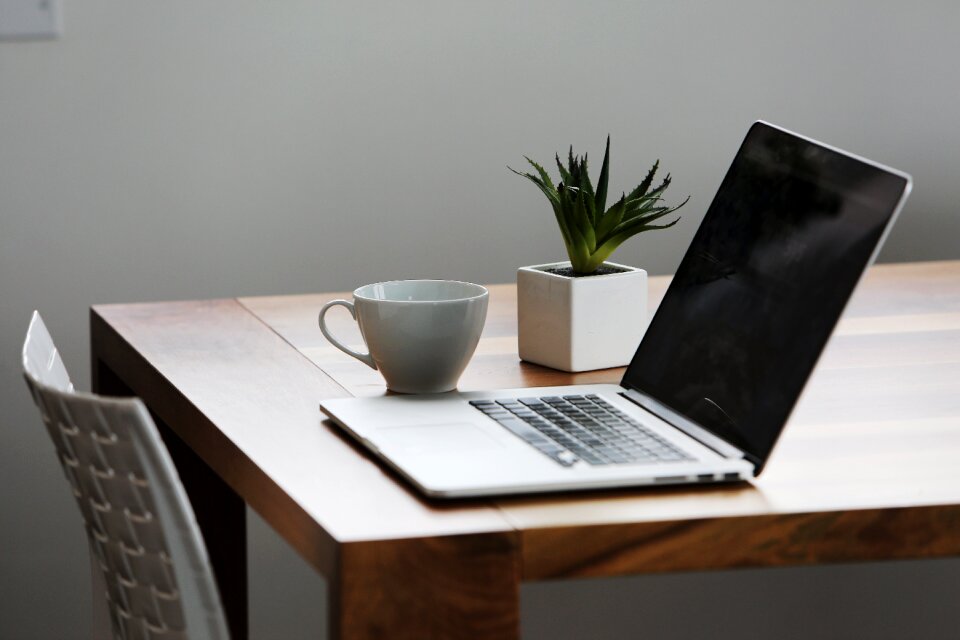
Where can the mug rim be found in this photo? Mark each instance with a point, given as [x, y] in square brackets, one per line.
[484, 292]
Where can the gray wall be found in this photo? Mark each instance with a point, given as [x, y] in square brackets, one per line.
[212, 148]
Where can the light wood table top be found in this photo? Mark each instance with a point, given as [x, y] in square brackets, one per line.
[866, 468]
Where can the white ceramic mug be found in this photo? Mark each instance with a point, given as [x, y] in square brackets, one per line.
[420, 334]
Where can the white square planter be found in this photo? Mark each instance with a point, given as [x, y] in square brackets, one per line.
[580, 324]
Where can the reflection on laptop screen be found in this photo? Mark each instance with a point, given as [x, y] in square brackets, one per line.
[762, 285]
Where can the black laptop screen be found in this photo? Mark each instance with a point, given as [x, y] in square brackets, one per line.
[762, 285]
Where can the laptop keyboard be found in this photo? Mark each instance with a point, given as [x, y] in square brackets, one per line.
[588, 428]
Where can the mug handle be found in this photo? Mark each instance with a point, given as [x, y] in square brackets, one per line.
[365, 358]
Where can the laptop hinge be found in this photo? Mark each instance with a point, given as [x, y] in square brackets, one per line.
[695, 431]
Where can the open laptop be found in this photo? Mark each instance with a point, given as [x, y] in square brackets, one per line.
[787, 237]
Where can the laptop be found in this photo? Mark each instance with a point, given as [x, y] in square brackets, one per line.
[792, 228]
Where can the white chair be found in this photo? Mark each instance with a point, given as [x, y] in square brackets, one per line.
[148, 556]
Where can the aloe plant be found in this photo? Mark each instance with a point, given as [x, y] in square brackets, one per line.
[590, 231]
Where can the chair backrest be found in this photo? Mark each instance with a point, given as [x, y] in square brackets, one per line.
[141, 527]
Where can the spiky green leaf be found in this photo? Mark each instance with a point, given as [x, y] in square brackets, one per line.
[565, 176]
[600, 200]
[642, 220]
[584, 225]
[543, 173]
[577, 251]
[611, 219]
[647, 181]
[662, 187]
[632, 228]
[639, 206]
[547, 189]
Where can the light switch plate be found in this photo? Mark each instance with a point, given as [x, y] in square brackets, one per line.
[30, 19]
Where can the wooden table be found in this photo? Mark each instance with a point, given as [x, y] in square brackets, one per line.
[867, 469]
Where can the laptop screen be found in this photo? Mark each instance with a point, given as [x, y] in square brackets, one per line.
[757, 294]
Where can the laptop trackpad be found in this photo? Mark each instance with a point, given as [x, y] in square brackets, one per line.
[435, 438]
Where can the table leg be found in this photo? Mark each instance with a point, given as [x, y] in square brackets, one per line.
[456, 587]
[220, 512]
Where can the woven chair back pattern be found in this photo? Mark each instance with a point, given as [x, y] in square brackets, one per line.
[141, 528]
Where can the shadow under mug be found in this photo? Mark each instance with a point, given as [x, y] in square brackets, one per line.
[420, 334]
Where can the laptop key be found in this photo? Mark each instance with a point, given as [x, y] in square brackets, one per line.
[592, 458]
[488, 407]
